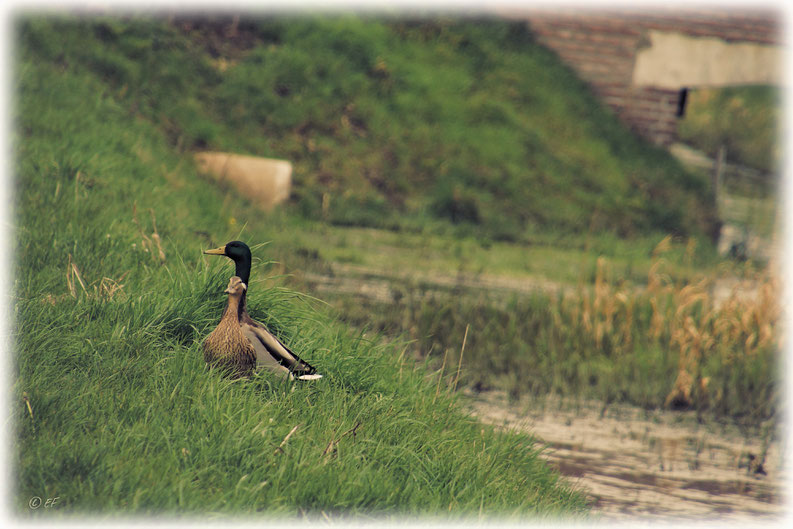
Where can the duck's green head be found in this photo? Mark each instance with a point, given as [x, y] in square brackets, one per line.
[238, 252]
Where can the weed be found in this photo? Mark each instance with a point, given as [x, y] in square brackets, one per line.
[671, 343]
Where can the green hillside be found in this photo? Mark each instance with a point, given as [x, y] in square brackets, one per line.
[397, 123]
[113, 409]
[449, 126]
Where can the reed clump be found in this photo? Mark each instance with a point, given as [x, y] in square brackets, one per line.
[709, 344]
[712, 328]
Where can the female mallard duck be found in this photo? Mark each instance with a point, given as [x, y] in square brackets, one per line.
[270, 353]
[227, 346]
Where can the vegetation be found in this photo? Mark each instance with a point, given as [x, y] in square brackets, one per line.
[462, 131]
[672, 344]
[319, 248]
[391, 123]
[744, 120]
[113, 409]
[116, 413]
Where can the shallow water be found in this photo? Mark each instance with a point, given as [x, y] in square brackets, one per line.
[651, 466]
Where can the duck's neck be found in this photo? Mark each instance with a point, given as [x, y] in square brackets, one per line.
[243, 270]
[242, 304]
[235, 306]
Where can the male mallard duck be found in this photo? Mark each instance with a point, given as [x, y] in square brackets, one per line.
[227, 346]
[270, 352]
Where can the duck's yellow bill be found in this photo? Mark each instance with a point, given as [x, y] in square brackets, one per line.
[217, 251]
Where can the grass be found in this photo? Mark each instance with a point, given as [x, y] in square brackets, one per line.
[670, 343]
[125, 418]
[563, 260]
[745, 120]
[113, 409]
[758, 216]
[455, 123]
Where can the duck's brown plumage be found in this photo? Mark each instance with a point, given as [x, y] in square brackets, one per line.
[227, 347]
[270, 352]
[241, 344]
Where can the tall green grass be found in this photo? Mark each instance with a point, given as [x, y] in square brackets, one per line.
[113, 409]
[124, 417]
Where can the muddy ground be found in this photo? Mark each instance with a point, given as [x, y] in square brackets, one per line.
[650, 465]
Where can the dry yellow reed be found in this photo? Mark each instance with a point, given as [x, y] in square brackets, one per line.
[687, 317]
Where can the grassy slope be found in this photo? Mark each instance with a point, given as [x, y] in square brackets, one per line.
[123, 416]
[396, 123]
[128, 380]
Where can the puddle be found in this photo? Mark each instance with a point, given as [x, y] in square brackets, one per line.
[654, 466]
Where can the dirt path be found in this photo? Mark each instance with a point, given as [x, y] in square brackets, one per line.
[651, 466]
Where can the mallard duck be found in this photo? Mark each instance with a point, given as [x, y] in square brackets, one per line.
[227, 346]
[270, 353]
